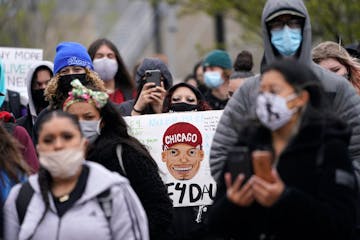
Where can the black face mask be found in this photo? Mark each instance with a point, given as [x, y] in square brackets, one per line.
[39, 100]
[64, 81]
[183, 107]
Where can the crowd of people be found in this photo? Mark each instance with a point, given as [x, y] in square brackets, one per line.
[71, 169]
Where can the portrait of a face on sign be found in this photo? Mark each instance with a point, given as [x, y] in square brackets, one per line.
[182, 150]
[180, 145]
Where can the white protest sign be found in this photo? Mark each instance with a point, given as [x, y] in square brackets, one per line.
[17, 62]
[180, 144]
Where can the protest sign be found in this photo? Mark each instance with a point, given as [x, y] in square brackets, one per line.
[180, 144]
[17, 62]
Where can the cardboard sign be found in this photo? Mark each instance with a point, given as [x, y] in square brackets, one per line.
[17, 62]
[180, 144]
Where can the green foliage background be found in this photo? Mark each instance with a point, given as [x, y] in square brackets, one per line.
[331, 19]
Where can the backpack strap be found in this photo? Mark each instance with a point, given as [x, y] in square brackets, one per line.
[105, 202]
[23, 199]
[119, 156]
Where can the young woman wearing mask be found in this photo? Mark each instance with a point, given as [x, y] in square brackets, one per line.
[107, 132]
[184, 97]
[112, 70]
[71, 62]
[65, 200]
[312, 187]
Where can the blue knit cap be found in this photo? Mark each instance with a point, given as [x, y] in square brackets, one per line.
[71, 54]
[217, 58]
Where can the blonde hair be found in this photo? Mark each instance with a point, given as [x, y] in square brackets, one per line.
[56, 98]
[330, 49]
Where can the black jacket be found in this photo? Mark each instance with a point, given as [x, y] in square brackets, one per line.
[26, 122]
[144, 179]
[319, 201]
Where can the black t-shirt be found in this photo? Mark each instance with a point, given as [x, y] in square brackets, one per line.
[64, 203]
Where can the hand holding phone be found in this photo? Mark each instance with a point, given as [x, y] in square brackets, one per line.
[262, 164]
[153, 76]
[239, 162]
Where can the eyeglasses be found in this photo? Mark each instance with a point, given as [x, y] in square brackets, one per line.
[291, 23]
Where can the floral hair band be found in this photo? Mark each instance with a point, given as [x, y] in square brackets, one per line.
[80, 93]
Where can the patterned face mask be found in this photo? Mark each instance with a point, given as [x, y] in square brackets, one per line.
[272, 110]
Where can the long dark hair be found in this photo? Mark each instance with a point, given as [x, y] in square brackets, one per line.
[122, 76]
[115, 131]
[11, 161]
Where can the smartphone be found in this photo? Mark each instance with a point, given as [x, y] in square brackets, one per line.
[262, 161]
[239, 161]
[153, 76]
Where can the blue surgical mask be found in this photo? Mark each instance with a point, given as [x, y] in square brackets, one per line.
[286, 40]
[90, 129]
[213, 79]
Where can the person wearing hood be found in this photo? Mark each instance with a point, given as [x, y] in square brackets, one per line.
[150, 97]
[286, 33]
[37, 79]
[72, 198]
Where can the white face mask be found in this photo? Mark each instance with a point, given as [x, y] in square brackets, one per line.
[90, 129]
[64, 163]
[106, 68]
[272, 110]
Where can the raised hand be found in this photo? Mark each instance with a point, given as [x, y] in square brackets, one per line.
[236, 193]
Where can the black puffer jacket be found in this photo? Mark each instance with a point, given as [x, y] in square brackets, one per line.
[319, 201]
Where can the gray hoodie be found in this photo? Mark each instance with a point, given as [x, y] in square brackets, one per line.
[28, 79]
[345, 101]
[85, 219]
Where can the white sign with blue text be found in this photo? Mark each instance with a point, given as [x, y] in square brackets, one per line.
[17, 62]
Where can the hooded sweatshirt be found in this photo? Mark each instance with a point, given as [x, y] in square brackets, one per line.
[85, 219]
[28, 120]
[344, 100]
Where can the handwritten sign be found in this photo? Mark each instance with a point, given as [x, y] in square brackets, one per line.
[180, 144]
[17, 62]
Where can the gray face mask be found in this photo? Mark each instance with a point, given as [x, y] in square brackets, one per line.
[106, 68]
[90, 129]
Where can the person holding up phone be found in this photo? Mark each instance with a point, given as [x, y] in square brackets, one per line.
[153, 79]
[311, 190]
